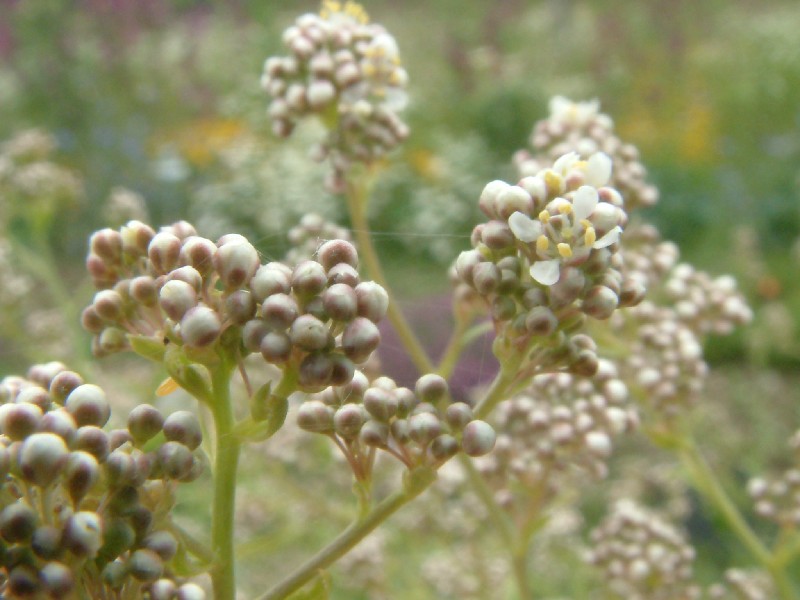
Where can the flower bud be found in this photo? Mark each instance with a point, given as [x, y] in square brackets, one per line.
[485, 277]
[373, 301]
[61, 423]
[374, 433]
[23, 582]
[315, 416]
[17, 522]
[348, 420]
[308, 279]
[497, 235]
[144, 422]
[432, 388]
[309, 333]
[279, 311]
[93, 440]
[340, 302]
[200, 326]
[163, 589]
[107, 244]
[541, 321]
[145, 565]
[184, 427]
[444, 446]
[175, 460]
[18, 421]
[83, 534]
[80, 474]
[424, 427]
[91, 321]
[162, 543]
[600, 302]
[176, 297]
[46, 542]
[236, 262]
[360, 338]
[343, 273]
[108, 305]
[34, 395]
[198, 252]
[275, 347]
[114, 574]
[270, 279]
[316, 371]
[252, 334]
[163, 251]
[190, 591]
[62, 385]
[240, 307]
[382, 405]
[88, 405]
[57, 579]
[458, 415]
[118, 537]
[478, 438]
[334, 252]
[42, 458]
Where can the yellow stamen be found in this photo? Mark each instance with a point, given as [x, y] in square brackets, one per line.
[590, 237]
[553, 181]
[369, 70]
[544, 216]
[167, 386]
[564, 250]
[565, 209]
[542, 244]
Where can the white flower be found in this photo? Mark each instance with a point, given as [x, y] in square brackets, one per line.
[598, 169]
[524, 228]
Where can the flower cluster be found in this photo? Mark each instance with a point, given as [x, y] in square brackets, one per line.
[581, 127]
[778, 498]
[84, 507]
[419, 427]
[743, 585]
[550, 251]
[643, 557]
[560, 423]
[179, 288]
[347, 71]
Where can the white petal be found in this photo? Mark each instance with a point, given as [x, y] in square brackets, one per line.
[584, 202]
[546, 272]
[610, 238]
[565, 163]
[524, 228]
[598, 169]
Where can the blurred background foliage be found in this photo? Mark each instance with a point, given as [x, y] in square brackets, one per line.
[163, 98]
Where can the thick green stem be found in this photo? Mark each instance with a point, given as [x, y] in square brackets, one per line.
[497, 392]
[356, 205]
[226, 460]
[348, 539]
[706, 481]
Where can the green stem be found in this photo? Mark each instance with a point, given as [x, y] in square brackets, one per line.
[706, 481]
[356, 205]
[226, 460]
[498, 390]
[348, 539]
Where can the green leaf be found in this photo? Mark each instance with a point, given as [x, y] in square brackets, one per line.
[192, 377]
[147, 347]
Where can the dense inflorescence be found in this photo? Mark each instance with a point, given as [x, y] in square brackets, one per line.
[562, 424]
[177, 288]
[422, 427]
[548, 256]
[581, 127]
[347, 71]
[85, 507]
[642, 557]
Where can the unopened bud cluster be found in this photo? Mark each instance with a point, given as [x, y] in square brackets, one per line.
[347, 71]
[309, 234]
[550, 251]
[582, 128]
[642, 557]
[740, 584]
[778, 498]
[419, 427]
[561, 425]
[84, 507]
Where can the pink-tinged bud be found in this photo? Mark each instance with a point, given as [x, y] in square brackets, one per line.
[198, 252]
[236, 262]
[200, 326]
[164, 251]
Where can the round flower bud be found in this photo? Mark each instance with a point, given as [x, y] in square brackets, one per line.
[423, 427]
[382, 405]
[46, 542]
[88, 405]
[236, 262]
[585, 364]
[17, 522]
[309, 278]
[374, 433]
[320, 93]
[275, 347]
[34, 395]
[136, 238]
[465, 264]
[83, 534]
[57, 579]
[279, 311]
[144, 422]
[118, 537]
[198, 252]
[175, 460]
[497, 235]
[42, 457]
[432, 388]
[252, 334]
[188, 274]
[80, 474]
[373, 301]
[121, 469]
[163, 589]
[478, 438]
[315, 416]
[145, 565]
[343, 273]
[541, 321]
[600, 302]
[348, 420]
[107, 244]
[162, 543]
[458, 415]
[112, 340]
[93, 440]
[108, 304]
[114, 574]
[309, 333]
[485, 277]
[23, 582]
[316, 371]
[163, 251]
[270, 279]
[190, 591]
[18, 421]
[340, 302]
[200, 326]
[240, 307]
[334, 252]
[62, 385]
[360, 338]
[176, 297]
[343, 369]
[184, 427]
[91, 321]
[444, 446]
